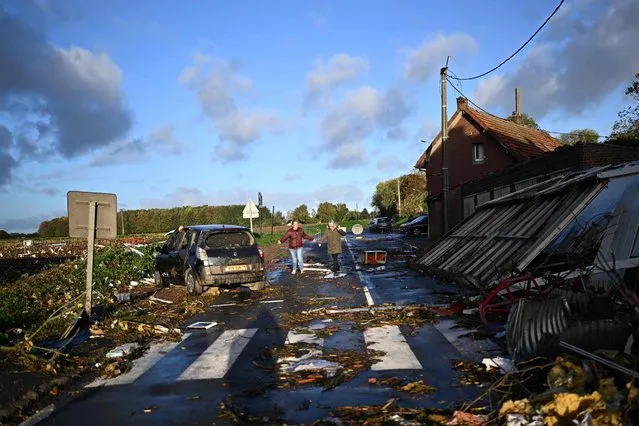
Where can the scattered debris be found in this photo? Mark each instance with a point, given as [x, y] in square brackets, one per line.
[504, 365]
[157, 299]
[202, 325]
[122, 351]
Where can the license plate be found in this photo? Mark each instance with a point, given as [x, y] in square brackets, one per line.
[235, 268]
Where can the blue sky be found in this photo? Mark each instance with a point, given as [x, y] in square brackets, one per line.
[172, 103]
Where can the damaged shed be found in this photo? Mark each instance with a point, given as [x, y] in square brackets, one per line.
[570, 221]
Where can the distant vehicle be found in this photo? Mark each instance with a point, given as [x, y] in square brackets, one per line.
[380, 224]
[417, 226]
[210, 255]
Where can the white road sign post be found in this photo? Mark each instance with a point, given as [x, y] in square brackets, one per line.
[250, 212]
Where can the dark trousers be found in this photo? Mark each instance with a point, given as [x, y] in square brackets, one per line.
[335, 262]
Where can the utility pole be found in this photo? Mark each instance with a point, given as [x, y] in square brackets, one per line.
[122, 220]
[272, 219]
[357, 210]
[399, 197]
[444, 77]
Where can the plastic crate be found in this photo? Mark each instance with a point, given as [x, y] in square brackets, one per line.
[373, 257]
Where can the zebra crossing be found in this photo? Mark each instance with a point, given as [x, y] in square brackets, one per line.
[220, 355]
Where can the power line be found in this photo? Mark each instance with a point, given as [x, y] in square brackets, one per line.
[518, 50]
[496, 116]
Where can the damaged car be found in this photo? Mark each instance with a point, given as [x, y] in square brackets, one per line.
[210, 255]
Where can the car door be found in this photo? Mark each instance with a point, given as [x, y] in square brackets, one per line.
[163, 259]
[182, 252]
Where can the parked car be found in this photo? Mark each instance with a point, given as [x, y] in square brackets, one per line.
[417, 226]
[380, 224]
[210, 255]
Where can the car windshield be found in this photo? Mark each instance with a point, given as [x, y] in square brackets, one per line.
[418, 219]
[228, 239]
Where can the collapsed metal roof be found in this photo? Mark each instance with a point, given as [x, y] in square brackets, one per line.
[506, 235]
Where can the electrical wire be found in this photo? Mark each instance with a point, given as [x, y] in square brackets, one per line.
[493, 115]
[518, 50]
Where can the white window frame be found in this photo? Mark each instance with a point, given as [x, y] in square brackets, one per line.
[479, 157]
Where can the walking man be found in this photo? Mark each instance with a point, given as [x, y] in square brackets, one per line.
[296, 236]
[334, 236]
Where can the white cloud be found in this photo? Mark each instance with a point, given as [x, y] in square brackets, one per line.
[283, 201]
[339, 70]
[125, 152]
[218, 85]
[164, 139]
[423, 62]
[363, 112]
[390, 163]
[586, 54]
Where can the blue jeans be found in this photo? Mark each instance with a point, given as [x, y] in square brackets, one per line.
[297, 255]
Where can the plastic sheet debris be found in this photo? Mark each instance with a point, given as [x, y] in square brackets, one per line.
[202, 325]
[504, 365]
[328, 367]
[122, 351]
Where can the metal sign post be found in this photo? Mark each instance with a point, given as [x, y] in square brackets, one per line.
[250, 212]
[99, 220]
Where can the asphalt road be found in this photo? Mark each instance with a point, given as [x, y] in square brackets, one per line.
[185, 382]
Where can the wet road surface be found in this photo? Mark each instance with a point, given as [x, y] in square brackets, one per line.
[185, 382]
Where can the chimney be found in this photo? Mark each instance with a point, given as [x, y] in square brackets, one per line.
[462, 103]
[517, 112]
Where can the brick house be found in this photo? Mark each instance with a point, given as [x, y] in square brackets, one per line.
[478, 144]
[565, 159]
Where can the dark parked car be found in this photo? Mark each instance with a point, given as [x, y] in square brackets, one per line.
[210, 255]
[417, 226]
[380, 224]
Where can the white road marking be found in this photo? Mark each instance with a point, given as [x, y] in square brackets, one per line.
[368, 285]
[398, 354]
[140, 366]
[219, 357]
[293, 337]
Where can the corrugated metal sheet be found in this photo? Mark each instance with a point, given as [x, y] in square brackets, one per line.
[492, 242]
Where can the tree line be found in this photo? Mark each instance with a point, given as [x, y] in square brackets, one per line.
[148, 221]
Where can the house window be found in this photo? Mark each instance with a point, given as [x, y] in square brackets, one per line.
[478, 153]
[525, 184]
[635, 245]
[483, 197]
[500, 192]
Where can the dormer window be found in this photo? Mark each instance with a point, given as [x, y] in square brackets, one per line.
[478, 153]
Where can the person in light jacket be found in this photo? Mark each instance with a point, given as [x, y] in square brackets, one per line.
[334, 236]
[296, 236]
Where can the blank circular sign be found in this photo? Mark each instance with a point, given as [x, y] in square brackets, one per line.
[358, 229]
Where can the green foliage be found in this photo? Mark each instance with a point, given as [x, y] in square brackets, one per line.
[580, 135]
[524, 119]
[326, 212]
[301, 214]
[4, 235]
[365, 214]
[626, 128]
[162, 220]
[412, 189]
[27, 303]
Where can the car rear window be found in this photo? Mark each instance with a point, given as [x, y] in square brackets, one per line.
[228, 239]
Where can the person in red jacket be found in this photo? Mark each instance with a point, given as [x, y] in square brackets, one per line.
[296, 236]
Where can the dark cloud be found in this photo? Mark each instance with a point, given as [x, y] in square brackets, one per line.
[60, 101]
[129, 152]
[588, 52]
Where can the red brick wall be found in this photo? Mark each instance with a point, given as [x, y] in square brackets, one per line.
[461, 169]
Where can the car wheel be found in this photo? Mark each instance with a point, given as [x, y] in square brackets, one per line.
[193, 287]
[416, 232]
[159, 279]
[256, 286]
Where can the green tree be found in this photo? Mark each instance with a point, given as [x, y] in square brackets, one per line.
[580, 135]
[342, 212]
[4, 235]
[301, 214]
[365, 214]
[412, 189]
[327, 211]
[626, 128]
[525, 120]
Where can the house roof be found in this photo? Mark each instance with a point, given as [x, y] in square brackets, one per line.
[522, 142]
